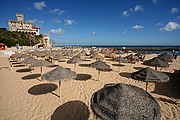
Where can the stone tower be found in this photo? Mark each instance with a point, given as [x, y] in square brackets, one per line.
[20, 17]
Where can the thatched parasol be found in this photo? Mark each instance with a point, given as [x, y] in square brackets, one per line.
[131, 58]
[40, 63]
[124, 102]
[82, 53]
[120, 60]
[166, 54]
[100, 66]
[150, 75]
[59, 74]
[156, 62]
[165, 58]
[74, 60]
[29, 60]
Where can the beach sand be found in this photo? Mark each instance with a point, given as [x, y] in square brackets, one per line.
[17, 102]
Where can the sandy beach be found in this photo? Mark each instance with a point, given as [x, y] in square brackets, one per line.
[17, 102]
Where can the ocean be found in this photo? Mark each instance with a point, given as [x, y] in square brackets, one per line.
[148, 48]
[121, 46]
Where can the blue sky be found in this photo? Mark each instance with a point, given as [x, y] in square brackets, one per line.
[100, 22]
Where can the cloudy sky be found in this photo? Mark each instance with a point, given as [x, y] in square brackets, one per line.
[100, 22]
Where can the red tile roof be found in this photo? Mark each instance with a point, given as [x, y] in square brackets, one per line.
[35, 27]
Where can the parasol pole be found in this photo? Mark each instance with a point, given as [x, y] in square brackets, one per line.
[59, 87]
[155, 67]
[98, 74]
[41, 72]
[146, 86]
[119, 66]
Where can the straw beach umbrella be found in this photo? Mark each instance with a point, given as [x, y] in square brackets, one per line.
[166, 54]
[132, 58]
[100, 66]
[124, 102]
[59, 74]
[120, 60]
[156, 62]
[40, 63]
[150, 75]
[74, 60]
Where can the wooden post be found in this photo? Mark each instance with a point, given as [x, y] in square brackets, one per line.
[59, 87]
[98, 74]
[41, 70]
[146, 86]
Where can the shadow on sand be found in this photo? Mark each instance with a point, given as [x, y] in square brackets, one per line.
[166, 100]
[31, 76]
[19, 66]
[83, 77]
[15, 63]
[125, 74]
[24, 70]
[171, 88]
[52, 66]
[138, 68]
[84, 65]
[42, 88]
[86, 60]
[72, 110]
[118, 65]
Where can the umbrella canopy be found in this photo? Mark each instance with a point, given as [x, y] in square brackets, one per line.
[166, 54]
[139, 54]
[132, 58]
[165, 58]
[59, 56]
[74, 60]
[59, 73]
[156, 62]
[124, 102]
[100, 65]
[82, 53]
[29, 60]
[120, 59]
[150, 75]
[97, 56]
[40, 63]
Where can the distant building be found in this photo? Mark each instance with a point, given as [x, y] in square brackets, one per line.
[23, 26]
[26, 27]
[45, 40]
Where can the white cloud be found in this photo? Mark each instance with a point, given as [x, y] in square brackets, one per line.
[137, 27]
[138, 8]
[28, 8]
[154, 1]
[36, 21]
[39, 5]
[158, 24]
[57, 21]
[93, 33]
[56, 31]
[174, 10]
[57, 11]
[124, 32]
[69, 22]
[125, 13]
[170, 27]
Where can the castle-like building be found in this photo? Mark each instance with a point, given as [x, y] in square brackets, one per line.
[26, 27]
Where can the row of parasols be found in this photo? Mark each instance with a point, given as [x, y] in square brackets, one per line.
[114, 101]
